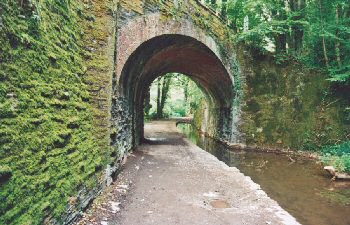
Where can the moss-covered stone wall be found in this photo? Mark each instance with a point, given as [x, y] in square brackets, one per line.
[286, 105]
[55, 72]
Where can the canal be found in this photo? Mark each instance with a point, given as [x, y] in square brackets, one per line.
[299, 185]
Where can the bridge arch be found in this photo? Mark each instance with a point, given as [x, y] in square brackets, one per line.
[149, 47]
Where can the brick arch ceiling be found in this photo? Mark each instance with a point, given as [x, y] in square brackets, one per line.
[176, 53]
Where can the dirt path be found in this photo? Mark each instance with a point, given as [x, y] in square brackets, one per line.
[169, 180]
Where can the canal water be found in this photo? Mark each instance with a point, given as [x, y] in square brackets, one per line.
[300, 186]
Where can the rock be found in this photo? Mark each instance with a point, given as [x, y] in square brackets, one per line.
[237, 145]
[336, 175]
[342, 176]
[330, 169]
[115, 206]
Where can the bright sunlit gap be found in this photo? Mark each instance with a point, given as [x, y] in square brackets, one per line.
[172, 95]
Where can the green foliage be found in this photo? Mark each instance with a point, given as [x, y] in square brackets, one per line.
[338, 155]
[316, 32]
[183, 98]
[46, 133]
[340, 74]
[325, 25]
[337, 150]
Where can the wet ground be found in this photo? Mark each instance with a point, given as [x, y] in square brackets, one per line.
[300, 186]
[169, 180]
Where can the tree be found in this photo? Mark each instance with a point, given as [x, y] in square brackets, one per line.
[316, 32]
[296, 18]
[181, 96]
[163, 84]
[147, 103]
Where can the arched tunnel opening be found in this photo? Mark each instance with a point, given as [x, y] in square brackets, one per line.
[175, 96]
[174, 53]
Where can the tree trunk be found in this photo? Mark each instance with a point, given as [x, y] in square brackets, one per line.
[147, 104]
[165, 90]
[162, 94]
[337, 43]
[224, 8]
[185, 88]
[291, 34]
[298, 30]
[325, 52]
[280, 38]
[296, 33]
[325, 55]
[235, 27]
[159, 110]
[281, 42]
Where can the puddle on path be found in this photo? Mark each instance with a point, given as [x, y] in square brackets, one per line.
[301, 187]
[219, 204]
[156, 139]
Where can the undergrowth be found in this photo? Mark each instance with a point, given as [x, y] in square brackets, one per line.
[338, 156]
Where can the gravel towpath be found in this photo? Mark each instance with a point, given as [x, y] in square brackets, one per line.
[168, 180]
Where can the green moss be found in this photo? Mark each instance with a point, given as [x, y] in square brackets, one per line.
[288, 106]
[47, 135]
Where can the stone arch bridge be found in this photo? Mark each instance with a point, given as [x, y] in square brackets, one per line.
[70, 117]
[148, 39]
[155, 39]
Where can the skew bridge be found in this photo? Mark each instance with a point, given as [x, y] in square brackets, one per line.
[151, 39]
[74, 75]
[176, 36]
[129, 45]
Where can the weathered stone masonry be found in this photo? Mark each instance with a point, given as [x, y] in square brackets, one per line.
[151, 39]
[73, 77]
[76, 94]
[157, 39]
